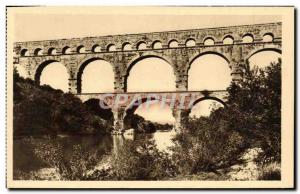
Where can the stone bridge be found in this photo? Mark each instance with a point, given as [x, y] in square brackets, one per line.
[179, 48]
[181, 102]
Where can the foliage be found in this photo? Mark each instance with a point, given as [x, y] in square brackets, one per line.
[74, 165]
[141, 161]
[255, 109]
[270, 171]
[42, 110]
[251, 118]
[141, 125]
[208, 146]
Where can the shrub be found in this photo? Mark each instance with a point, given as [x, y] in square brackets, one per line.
[270, 171]
[141, 160]
[207, 147]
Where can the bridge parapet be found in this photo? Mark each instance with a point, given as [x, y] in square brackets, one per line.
[104, 43]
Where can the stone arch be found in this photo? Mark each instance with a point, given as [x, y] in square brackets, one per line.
[253, 52]
[134, 61]
[268, 37]
[228, 39]
[24, 52]
[52, 51]
[190, 42]
[126, 46]
[173, 43]
[263, 57]
[40, 68]
[208, 79]
[38, 52]
[142, 45]
[96, 48]
[206, 53]
[81, 68]
[111, 47]
[80, 49]
[209, 41]
[66, 50]
[157, 44]
[248, 38]
[203, 99]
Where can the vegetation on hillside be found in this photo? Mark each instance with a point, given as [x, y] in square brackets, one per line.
[42, 110]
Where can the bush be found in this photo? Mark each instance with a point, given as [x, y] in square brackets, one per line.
[206, 147]
[76, 167]
[141, 160]
[270, 171]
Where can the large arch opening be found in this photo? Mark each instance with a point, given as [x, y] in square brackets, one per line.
[95, 76]
[54, 74]
[150, 74]
[148, 111]
[209, 71]
[203, 107]
[264, 57]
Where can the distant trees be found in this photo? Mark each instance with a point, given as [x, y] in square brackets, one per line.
[142, 125]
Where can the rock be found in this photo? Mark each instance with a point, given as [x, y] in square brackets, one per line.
[249, 169]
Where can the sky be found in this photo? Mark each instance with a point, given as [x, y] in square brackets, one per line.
[45, 26]
[152, 74]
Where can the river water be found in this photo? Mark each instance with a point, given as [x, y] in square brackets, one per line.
[25, 149]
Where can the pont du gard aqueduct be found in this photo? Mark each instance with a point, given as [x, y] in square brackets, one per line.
[179, 48]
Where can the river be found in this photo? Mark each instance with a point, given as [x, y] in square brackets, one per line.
[26, 150]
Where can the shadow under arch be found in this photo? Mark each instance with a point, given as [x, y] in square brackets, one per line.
[140, 58]
[81, 69]
[94, 106]
[40, 68]
[206, 53]
[262, 50]
[206, 98]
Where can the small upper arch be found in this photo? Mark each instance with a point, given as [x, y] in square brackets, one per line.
[190, 42]
[52, 51]
[141, 45]
[268, 37]
[248, 38]
[157, 44]
[66, 50]
[24, 52]
[96, 48]
[126, 46]
[173, 43]
[81, 49]
[209, 41]
[38, 52]
[111, 47]
[228, 39]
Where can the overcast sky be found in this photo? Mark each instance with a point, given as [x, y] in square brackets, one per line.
[44, 26]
